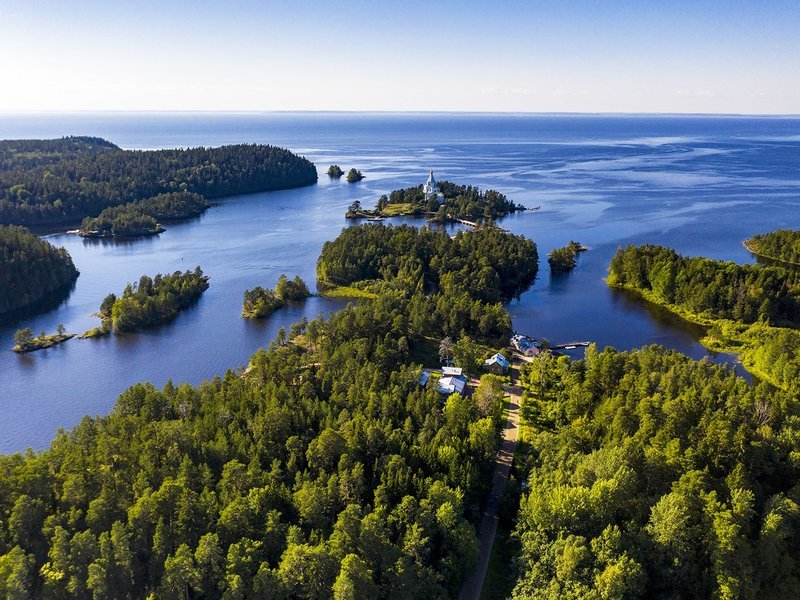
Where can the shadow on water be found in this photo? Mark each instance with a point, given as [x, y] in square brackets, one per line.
[49, 303]
[119, 241]
[559, 281]
[159, 328]
[771, 262]
[632, 301]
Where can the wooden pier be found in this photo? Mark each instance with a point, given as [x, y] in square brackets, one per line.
[473, 224]
[570, 345]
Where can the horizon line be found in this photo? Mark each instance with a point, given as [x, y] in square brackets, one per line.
[14, 112]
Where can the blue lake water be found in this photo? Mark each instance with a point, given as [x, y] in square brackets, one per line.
[699, 184]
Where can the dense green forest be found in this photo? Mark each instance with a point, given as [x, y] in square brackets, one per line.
[260, 302]
[27, 154]
[143, 217]
[57, 181]
[489, 264]
[781, 245]
[325, 470]
[564, 258]
[454, 202]
[655, 476]
[152, 300]
[30, 268]
[709, 288]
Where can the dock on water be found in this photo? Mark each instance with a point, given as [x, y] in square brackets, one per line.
[473, 224]
[570, 345]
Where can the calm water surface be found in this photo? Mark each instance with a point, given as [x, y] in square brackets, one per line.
[699, 184]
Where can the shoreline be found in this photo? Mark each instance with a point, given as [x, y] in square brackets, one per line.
[783, 261]
[737, 344]
[96, 235]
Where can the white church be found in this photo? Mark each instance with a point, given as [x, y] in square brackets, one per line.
[430, 191]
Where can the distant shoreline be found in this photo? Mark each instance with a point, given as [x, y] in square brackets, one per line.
[244, 111]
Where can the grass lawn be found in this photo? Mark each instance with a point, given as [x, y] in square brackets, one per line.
[347, 292]
[394, 210]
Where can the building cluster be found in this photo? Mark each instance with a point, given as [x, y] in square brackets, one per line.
[525, 345]
[454, 381]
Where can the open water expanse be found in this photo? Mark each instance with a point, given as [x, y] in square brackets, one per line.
[699, 184]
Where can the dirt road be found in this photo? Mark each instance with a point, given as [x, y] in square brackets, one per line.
[502, 468]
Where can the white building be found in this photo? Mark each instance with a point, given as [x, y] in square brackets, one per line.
[452, 385]
[525, 345]
[497, 363]
[429, 188]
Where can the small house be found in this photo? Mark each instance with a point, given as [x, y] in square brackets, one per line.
[452, 371]
[525, 345]
[497, 364]
[452, 384]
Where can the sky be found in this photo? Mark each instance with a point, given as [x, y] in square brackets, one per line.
[670, 56]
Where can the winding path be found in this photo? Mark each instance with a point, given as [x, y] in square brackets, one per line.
[502, 468]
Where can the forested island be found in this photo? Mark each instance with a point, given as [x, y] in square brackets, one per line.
[782, 245]
[453, 201]
[564, 258]
[64, 180]
[25, 341]
[324, 471]
[752, 310]
[260, 302]
[335, 171]
[354, 175]
[31, 269]
[151, 301]
[142, 218]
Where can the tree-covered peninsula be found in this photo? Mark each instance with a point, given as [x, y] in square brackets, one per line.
[260, 302]
[782, 245]
[152, 300]
[143, 218]
[60, 181]
[751, 310]
[709, 289]
[31, 269]
[453, 201]
[326, 470]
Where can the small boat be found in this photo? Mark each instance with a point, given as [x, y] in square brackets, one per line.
[378, 218]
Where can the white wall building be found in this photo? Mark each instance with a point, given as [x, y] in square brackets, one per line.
[430, 188]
